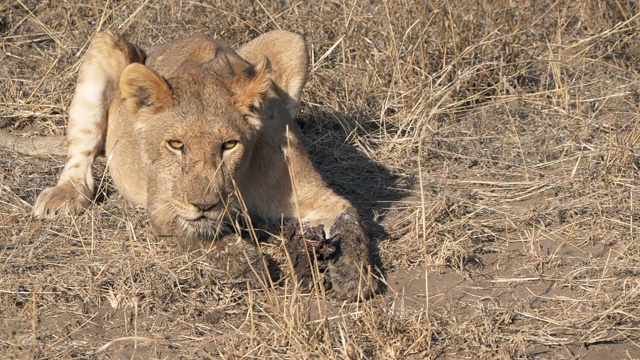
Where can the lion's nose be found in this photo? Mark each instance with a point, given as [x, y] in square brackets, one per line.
[206, 206]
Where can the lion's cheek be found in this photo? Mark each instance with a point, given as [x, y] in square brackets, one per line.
[161, 217]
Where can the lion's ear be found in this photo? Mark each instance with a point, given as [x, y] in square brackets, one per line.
[142, 88]
[250, 87]
[287, 53]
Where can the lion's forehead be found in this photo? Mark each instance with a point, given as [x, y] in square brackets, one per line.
[206, 127]
[205, 123]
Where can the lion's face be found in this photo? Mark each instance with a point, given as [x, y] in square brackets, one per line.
[193, 156]
[195, 137]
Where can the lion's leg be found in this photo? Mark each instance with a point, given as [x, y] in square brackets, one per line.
[107, 56]
[351, 270]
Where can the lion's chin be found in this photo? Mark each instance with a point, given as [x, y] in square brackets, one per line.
[203, 229]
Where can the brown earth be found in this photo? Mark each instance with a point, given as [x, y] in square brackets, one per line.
[490, 145]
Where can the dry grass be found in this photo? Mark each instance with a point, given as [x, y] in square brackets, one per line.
[491, 145]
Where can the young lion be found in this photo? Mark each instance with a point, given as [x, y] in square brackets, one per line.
[192, 130]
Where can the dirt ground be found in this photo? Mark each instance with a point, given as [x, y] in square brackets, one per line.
[490, 146]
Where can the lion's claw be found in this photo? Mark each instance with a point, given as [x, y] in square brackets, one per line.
[64, 199]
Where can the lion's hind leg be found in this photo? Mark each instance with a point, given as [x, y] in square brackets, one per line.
[98, 77]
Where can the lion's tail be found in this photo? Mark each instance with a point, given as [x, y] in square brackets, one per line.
[38, 145]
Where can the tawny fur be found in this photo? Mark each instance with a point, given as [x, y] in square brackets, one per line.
[187, 123]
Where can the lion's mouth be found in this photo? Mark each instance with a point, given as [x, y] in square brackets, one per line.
[201, 221]
[202, 226]
[200, 218]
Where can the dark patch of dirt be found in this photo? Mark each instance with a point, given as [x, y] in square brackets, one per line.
[308, 249]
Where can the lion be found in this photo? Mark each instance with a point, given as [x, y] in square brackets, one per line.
[195, 132]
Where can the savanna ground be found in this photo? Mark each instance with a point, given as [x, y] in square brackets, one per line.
[491, 145]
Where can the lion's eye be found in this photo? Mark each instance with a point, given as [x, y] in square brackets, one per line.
[228, 145]
[175, 144]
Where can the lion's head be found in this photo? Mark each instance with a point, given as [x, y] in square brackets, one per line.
[197, 127]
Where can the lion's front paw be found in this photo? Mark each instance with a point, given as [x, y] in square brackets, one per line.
[62, 199]
[350, 273]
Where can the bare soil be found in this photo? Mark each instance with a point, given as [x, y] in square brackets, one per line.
[490, 146]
